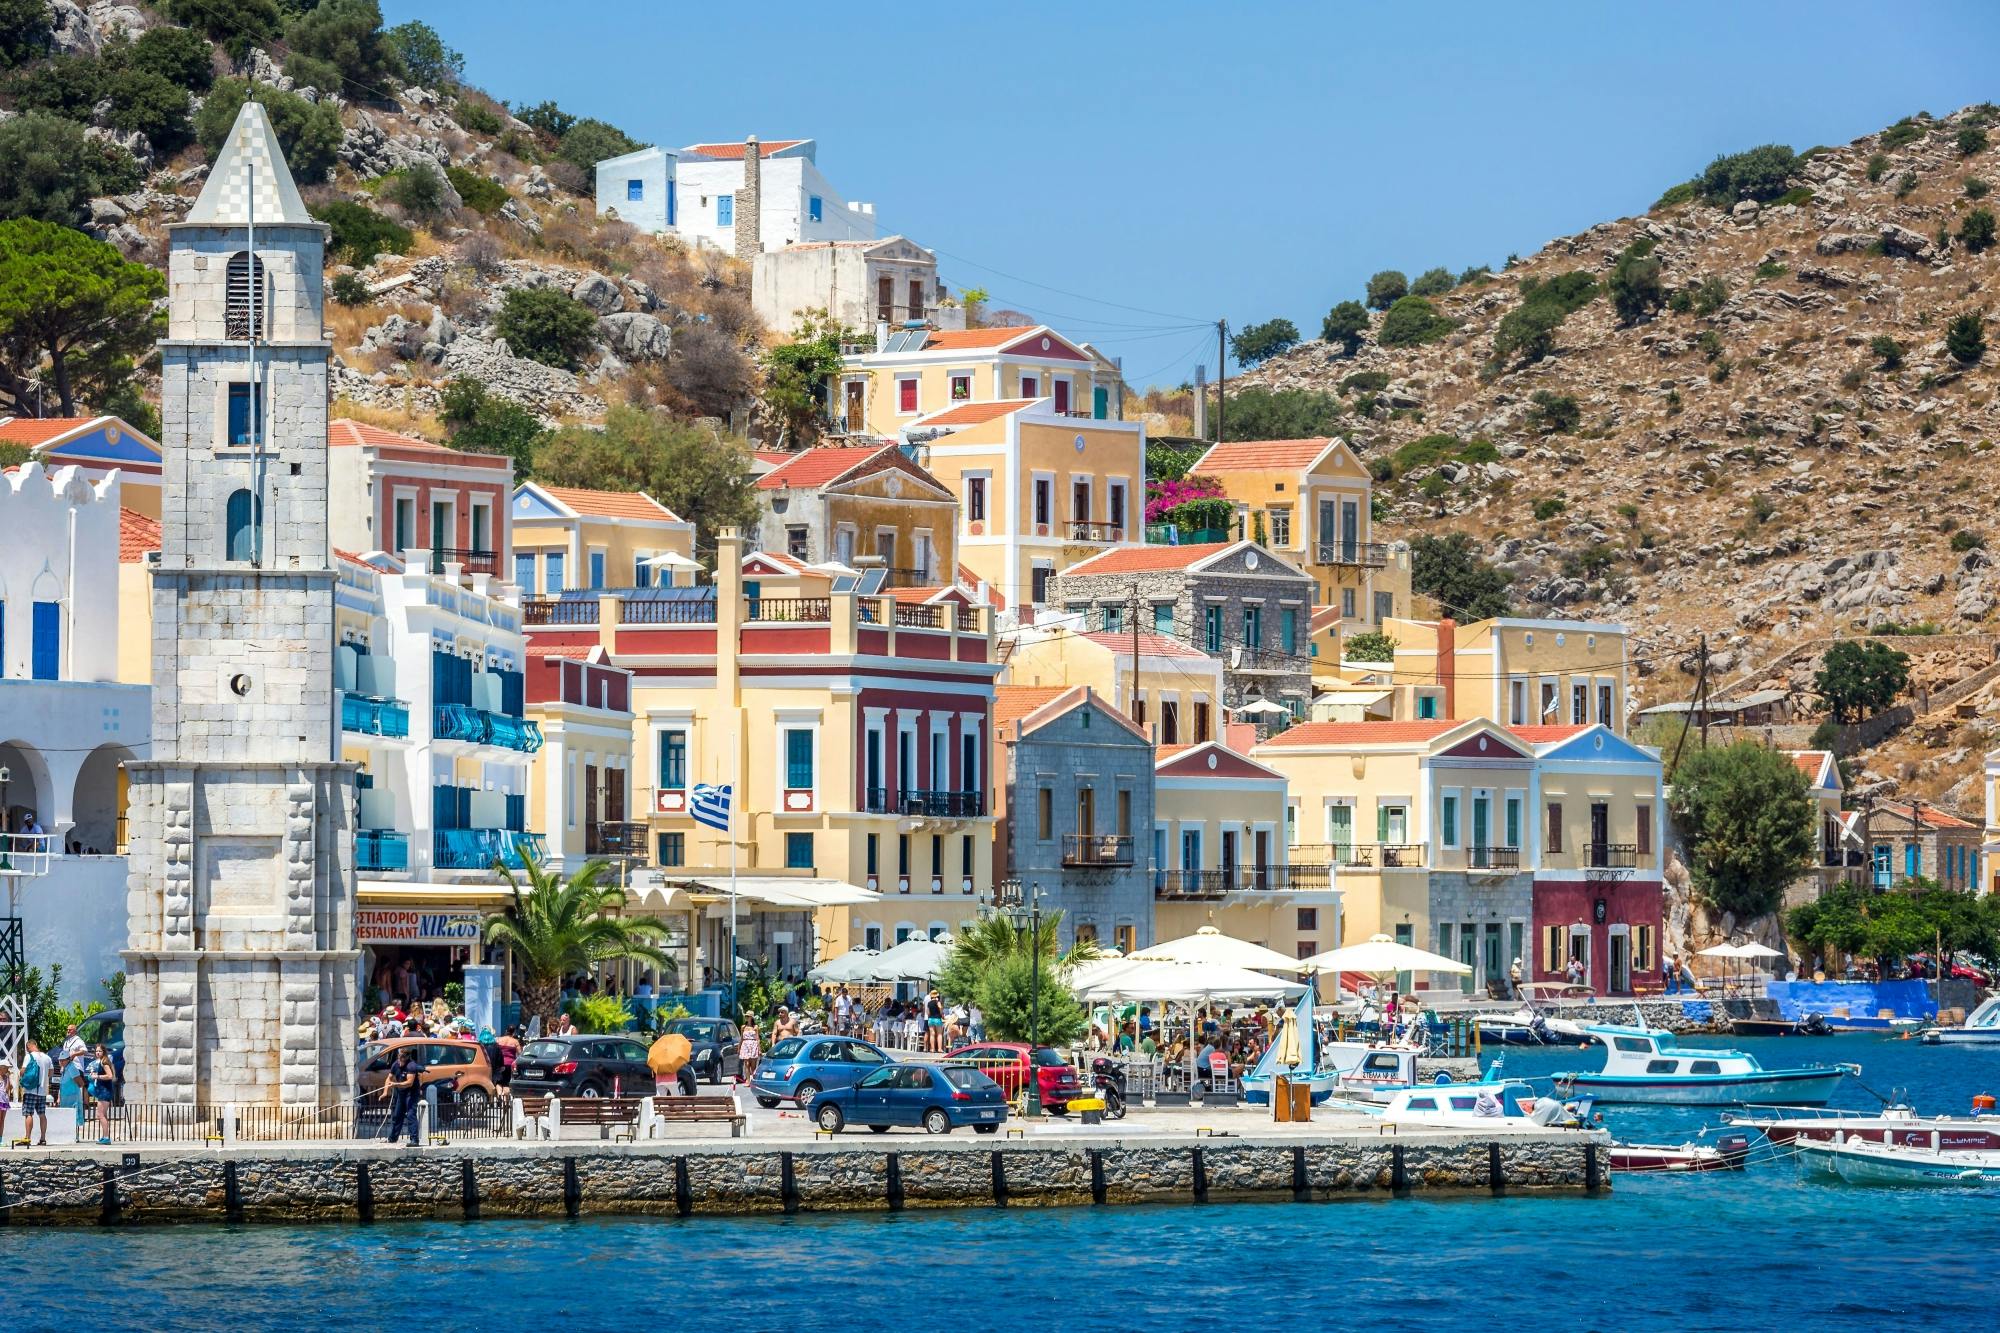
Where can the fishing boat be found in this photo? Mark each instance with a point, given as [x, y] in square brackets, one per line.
[1896, 1125]
[1981, 1028]
[1647, 1065]
[1528, 1026]
[1319, 1065]
[1861, 1162]
[1727, 1153]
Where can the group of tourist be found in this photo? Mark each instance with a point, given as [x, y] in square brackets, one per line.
[79, 1075]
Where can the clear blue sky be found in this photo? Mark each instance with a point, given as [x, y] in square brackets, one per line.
[1152, 166]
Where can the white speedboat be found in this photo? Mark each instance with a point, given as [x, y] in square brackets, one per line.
[1898, 1126]
[1491, 1104]
[1980, 1028]
[1863, 1162]
[1647, 1065]
[1528, 1026]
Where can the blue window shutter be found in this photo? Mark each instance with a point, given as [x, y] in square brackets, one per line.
[513, 693]
[552, 573]
[524, 571]
[798, 759]
[238, 526]
[1912, 858]
[635, 190]
[597, 569]
[814, 208]
[47, 657]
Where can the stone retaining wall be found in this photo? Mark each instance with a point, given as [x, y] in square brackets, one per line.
[559, 1180]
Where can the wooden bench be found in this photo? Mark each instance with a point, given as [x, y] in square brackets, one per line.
[700, 1111]
[614, 1117]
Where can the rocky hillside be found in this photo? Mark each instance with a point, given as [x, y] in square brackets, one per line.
[443, 203]
[1750, 461]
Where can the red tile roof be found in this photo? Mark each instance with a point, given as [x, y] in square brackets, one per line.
[137, 535]
[1364, 733]
[1930, 815]
[1136, 559]
[733, 152]
[972, 414]
[1544, 735]
[348, 432]
[1809, 762]
[817, 467]
[1012, 702]
[1150, 645]
[956, 340]
[39, 430]
[1261, 455]
[611, 504]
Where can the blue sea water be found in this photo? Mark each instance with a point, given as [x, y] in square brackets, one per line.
[1767, 1248]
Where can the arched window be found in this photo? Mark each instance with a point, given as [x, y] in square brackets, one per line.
[245, 298]
[241, 522]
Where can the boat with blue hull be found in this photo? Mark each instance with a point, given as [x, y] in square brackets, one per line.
[1647, 1066]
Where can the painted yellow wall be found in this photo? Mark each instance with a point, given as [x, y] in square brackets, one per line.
[1622, 794]
[135, 624]
[868, 508]
[994, 379]
[1071, 659]
[623, 544]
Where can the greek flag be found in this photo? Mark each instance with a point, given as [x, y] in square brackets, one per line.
[711, 805]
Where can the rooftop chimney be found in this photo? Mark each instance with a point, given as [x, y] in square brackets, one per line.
[1447, 665]
[749, 202]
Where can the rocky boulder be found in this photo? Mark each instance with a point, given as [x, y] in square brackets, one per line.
[400, 337]
[634, 336]
[1898, 240]
[598, 292]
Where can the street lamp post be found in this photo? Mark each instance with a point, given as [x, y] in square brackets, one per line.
[1031, 917]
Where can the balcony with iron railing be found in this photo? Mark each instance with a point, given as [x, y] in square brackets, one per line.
[1108, 850]
[570, 610]
[1088, 530]
[471, 561]
[789, 610]
[908, 578]
[1361, 855]
[940, 804]
[1368, 555]
[381, 850]
[477, 726]
[1504, 860]
[367, 716]
[621, 839]
[1608, 855]
[480, 848]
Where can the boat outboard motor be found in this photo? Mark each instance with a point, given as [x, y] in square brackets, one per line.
[1538, 1026]
[1815, 1025]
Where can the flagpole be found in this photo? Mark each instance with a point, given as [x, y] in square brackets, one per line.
[734, 788]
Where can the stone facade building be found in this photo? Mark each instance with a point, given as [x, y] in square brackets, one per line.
[241, 963]
[869, 504]
[1234, 601]
[1075, 788]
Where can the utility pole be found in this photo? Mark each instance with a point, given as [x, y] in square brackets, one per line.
[1701, 691]
[1221, 372]
[1132, 700]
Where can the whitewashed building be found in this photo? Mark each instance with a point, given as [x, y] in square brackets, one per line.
[639, 188]
[859, 283]
[741, 198]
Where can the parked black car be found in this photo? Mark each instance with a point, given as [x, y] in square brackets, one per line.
[715, 1046]
[583, 1066]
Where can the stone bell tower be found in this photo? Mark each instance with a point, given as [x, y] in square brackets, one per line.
[241, 966]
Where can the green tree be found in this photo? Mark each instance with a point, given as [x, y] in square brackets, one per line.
[1026, 1002]
[51, 170]
[1749, 824]
[1527, 332]
[1412, 321]
[1965, 337]
[1432, 282]
[77, 302]
[480, 193]
[1976, 232]
[1859, 679]
[589, 142]
[547, 118]
[309, 133]
[483, 424]
[237, 25]
[344, 38]
[1449, 570]
[993, 965]
[424, 56]
[419, 189]
[1887, 350]
[1636, 286]
[24, 31]
[1373, 646]
[1346, 324]
[1386, 288]
[546, 325]
[1757, 174]
[1279, 414]
[1554, 413]
[1971, 140]
[359, 233]
[1261, 342]
[796, 375]
[701, 477]
[557, 926]
[179, 55]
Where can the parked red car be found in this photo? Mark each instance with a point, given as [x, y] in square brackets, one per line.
[1008, 1062]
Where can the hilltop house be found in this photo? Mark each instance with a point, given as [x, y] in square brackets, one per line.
[741, 198]
[892, 280]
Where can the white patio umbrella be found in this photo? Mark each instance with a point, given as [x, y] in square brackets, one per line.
[847, 967]
[1379, 953]
[1209, 945]
[1155, 979]
[917, 958]
[1262, 706]
[669, 560]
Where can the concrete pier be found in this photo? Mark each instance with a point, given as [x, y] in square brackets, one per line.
[705, 1176]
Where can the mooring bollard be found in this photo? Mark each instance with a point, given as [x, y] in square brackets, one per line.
[788, 1184]
[1399, 1181]
[894, 1182]
[468, 1190]
[1200, 1176]
[364, 1192]
[683, 1191]
[999, 1180]
[1097, 1175]
[232, 1192]
[1496, 1179]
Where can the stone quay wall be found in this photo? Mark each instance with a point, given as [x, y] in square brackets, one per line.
[293, 1185]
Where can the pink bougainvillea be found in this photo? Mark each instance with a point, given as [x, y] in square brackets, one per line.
[1164, 495]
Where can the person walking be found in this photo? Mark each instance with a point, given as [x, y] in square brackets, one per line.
[35, 1076]
[401, 1089]
[1671, 973]
[69, 1061]
[1514, 980]
[749, 1049]
[102, 1078]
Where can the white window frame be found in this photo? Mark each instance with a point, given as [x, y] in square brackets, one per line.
[918, 409]
[985, 479]
[1123, 485]
[1451, 837]
[784, 721]
[1036, 480]
[1517, 701]
[475, 505]
[952, 380]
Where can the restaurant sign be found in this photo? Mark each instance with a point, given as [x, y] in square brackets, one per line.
[410, 925]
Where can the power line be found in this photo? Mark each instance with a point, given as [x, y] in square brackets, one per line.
[1076, 296]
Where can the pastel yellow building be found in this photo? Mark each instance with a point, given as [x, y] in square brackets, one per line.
[861, 506]
[1311, 499]
[567, 538]
[915, 373]
[1519, 672]
[1221, 858]
[854, 731]
[1179, 698]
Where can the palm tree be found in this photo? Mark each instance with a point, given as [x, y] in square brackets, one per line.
[559, 926]
[993, 939]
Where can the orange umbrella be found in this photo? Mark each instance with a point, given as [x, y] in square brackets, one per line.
[668, 1054]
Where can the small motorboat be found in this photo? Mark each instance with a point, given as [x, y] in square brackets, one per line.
[1863, 1162]
[1807, 1025]
[1897, 1125]
[1980, 1028]
[1647, 1066]
[1727, 1153]
[1491, 1103]
[1528, 1026]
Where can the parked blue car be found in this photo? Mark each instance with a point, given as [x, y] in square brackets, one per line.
[935, 1098]
[798, 1069]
